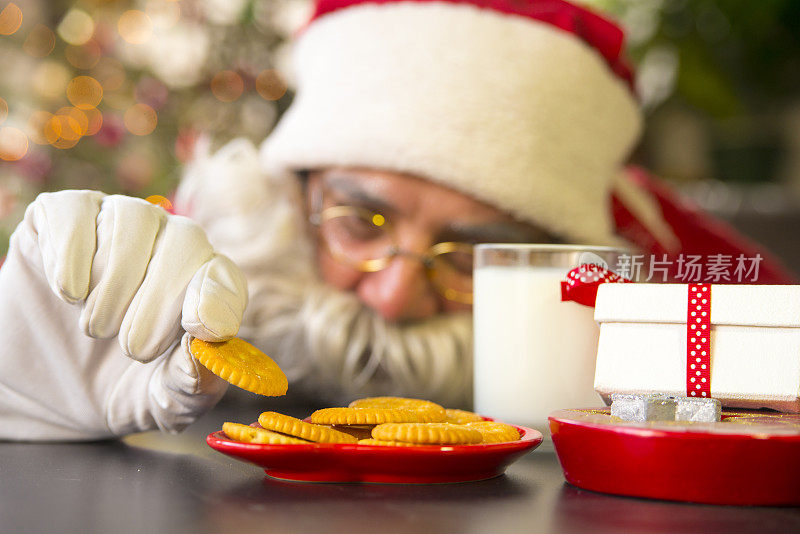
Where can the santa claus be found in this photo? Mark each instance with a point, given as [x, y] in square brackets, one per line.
[419, 128]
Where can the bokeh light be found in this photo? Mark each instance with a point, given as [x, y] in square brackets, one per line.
[50, 79]
[152, 92]
[112, 131]
[78, 122]
[140, 119]
[67, 127]
[135, 26]
[8, 202]
[227, 86]
[41, 129]
[10, 19]
[35, 167]
[52, 44]
[185, 144]
[270, 85]
[83, 57]
[52, 129]
[13, 144]
[76, 28]
[223, 12]
[95, 121]
[65, 143]
[158, 200]
[40, 41]
[163, 15]
[256, 116]
[62, 130]
[84, 92]
[110, 73]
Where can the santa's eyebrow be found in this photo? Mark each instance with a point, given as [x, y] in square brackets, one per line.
[494, 232]
[356, 194]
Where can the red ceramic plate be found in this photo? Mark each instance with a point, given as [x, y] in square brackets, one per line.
[748, 459]
[339, 462]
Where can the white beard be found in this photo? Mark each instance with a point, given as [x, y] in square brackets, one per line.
[325, 339]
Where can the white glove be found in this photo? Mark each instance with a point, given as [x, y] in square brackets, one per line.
[139, 275]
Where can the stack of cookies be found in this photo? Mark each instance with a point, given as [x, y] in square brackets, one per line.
[387, 421]
[393, 421]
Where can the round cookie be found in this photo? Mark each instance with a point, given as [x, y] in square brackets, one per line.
[432, 412]
[494, 432]
[300, 429]
[357, 431]
[427, 433]
[363, 416]
[251, 434]
[461, 417]
[243, 365]
[370, 441]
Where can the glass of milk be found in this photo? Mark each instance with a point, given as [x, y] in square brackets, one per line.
[533, 353]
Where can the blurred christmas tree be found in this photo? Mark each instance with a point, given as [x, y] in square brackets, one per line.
[112, 95]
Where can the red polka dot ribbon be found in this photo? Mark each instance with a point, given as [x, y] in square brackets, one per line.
[698, 341]
[582, 283]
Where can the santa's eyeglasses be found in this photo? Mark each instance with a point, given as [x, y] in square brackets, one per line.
[366, 241]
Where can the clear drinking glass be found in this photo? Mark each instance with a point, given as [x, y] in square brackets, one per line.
[533, 353]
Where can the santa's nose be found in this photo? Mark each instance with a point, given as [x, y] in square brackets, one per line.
[400, 292]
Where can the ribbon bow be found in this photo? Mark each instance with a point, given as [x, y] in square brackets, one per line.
[582, 283]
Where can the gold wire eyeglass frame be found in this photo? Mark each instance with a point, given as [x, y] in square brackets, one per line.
[319, 216]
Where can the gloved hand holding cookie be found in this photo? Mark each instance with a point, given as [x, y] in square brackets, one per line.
[100, 297]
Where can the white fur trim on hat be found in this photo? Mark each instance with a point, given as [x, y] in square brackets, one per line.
[506, 109]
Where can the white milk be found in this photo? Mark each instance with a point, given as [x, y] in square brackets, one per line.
[533, 353]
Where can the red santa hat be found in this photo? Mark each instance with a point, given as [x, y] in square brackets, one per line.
[525, 104]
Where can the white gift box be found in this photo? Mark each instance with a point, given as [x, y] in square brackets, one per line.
[754, 336]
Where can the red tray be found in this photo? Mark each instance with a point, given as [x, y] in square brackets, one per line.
[339, 462]
[750, 459]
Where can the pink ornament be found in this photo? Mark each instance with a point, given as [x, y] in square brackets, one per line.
[152, 92]
[111, 133]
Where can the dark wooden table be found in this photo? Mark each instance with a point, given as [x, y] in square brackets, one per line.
[154, 483]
